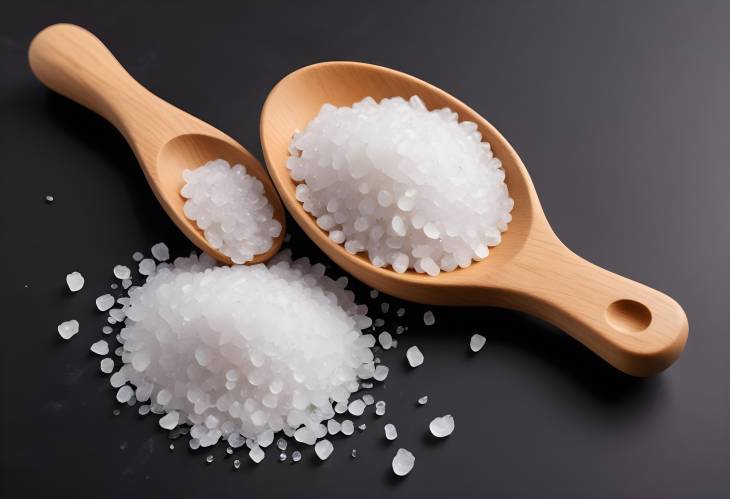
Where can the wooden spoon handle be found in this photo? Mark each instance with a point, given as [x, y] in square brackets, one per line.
[73, 62]
[637, 329]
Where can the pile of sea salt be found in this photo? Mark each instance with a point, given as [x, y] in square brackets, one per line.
[240, 353]
[412, 187]
[231, 208]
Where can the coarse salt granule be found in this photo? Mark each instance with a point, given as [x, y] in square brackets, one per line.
[415, 189]
[231, 208]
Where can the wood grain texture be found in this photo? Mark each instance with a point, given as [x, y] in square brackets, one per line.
[637, 329]
[166, 140]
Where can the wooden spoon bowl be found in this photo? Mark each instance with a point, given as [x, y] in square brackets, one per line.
[635, 328]
[165, 139]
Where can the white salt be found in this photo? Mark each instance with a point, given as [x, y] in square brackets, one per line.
[124, 394]
[160, 252]
[296, 456]
[147, 266]
[400, 312]
[100, 347]
[137, 256]
[403, 462]
[380, 408]
[381, 372]
[68, 329]
[368, 399]
[423, 191]
[170, 420]
[356, 407]
[390, 432]
[122, 272]
[414, 356]
[347, 427]
[385, 340]
[476, 342]
[231, 208]
[75, 281]
[323, 449]
[333, 427]
[442, 426]
[423, 400]
[429, 319]
[256, 454]
[106, 365]
[105, 302]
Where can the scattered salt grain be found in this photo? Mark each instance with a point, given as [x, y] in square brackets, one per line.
[423, 400]
[362, 427]
[126, 283]
[380, 408]
[105, 302]
[323, 449]
[236, 464]
[147, 266]
[381, 372]
[106, 365]
[429, 319]
[353, 454]
[100, 347]
[137, 256]
[124, 394]
[49, 199]
[68, 329]
[256, 454]
[281, 443]
[442, 426]
[373, 293]
[384, 307]
[476, 342]
[296, 456]
[403, 462]
[143, 410]
[122, 272]
[333, 427]
[400, 312]
[160, 252]
[74, 281]
[170, 420]
[414, 356]
[347, 427]
[390, 432]
[282, 457]
[357, 406]
[231, 208]
[385, 340]
[107, 330]
[368, 399]
[209, 459]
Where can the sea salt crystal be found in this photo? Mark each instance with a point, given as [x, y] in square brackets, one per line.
[384, 307]
[362, 427]
[74, 281]
[160, 252]
[390, 432]
[373, 293]
[236, 463]
[122, 272]
[256, 454]
[107, 330]
[368, 399]
[353, 454]
[137, 256]
[100, 347]
[49, 199]
[296, 456]
[209, 459]
[400, 312]
[380, 408]
[381, 372]
[323, 449]
[333, 427]
[347, 427]
[442, 426]
[429, 319]
[423, 400]
[403, 462]
[147, 266]
[105, 302]
[385, 340]
[170, 420]
[281, 443]
[68, 328]
[124, 394]
[357, 407]
[414, 356]
[476, 342]
[106, 365]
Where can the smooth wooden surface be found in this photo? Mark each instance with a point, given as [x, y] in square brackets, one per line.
[166, 140]
[635, 328]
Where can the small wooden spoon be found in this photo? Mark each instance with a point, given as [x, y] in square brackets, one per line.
[165, 139]
[635, 328]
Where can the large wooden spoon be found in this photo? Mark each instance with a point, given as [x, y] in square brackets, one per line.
[166, 140]
[637, 329]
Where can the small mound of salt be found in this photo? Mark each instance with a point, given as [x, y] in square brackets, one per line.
[68, 328]
[403, 462]
[74, 281]
[411, 187]
[231, 208]
[414, 356]
[442, 426]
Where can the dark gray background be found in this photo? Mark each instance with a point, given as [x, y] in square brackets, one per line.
[621, 112]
